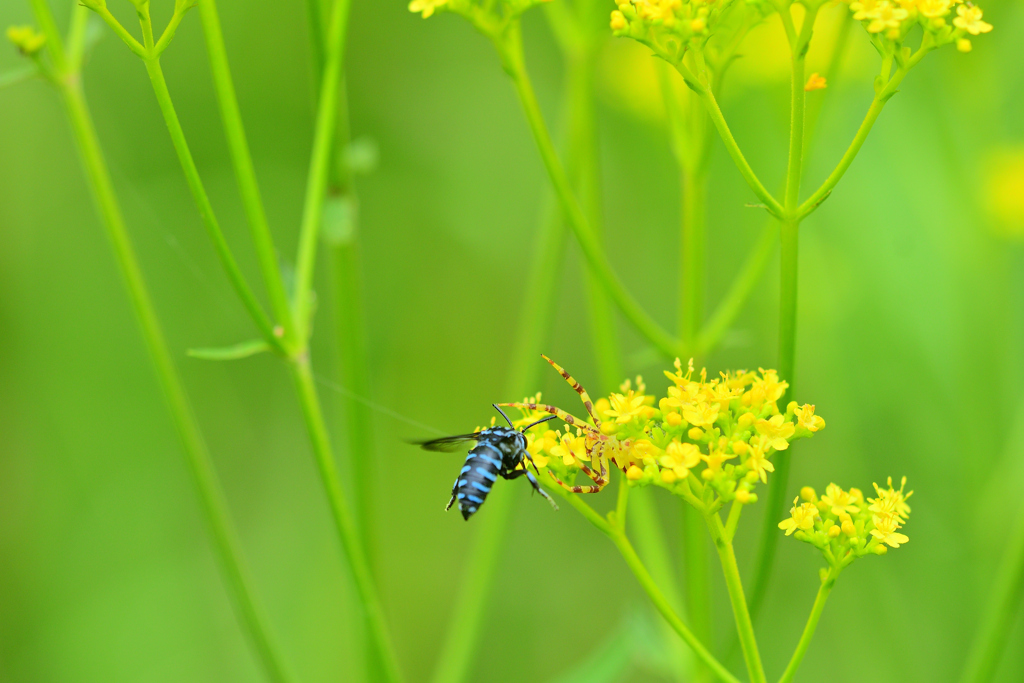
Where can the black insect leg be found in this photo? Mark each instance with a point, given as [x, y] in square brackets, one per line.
[533, 482]
[452, 501]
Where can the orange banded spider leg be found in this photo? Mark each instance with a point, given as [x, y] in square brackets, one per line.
[561, 414]
[587, 403]
[580, 489]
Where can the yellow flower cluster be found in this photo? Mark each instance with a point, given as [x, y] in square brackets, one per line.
[667, 25]
[893, 19]
[844, 525]
[723, 430]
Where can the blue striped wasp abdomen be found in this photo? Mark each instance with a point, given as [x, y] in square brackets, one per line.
[499, 452]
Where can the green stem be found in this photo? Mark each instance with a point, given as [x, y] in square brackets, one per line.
[1003, 604]
[691, 294]
[636, 565]
[695, 563]
[812, 624]
[319, 168]
[355, 553]
[744, 626]
[202, 200]
[747, 278]
[225, 540]
[509, 48]
[879, 101]
[582, 146]
[524, 369]
[241, 160]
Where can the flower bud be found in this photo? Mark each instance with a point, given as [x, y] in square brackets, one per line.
[696, 433]
[619, 22]
[634, 473]
[963, 45]
[668, 476]
[849, 529]
[880, 549]
[674, 419]
[808, 494]
[833, 531]
[743, 496]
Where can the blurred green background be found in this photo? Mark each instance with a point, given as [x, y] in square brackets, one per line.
[909, 342]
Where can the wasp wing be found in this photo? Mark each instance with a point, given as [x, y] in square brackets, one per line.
[448, 444]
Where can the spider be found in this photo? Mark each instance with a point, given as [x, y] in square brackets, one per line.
[598, 444]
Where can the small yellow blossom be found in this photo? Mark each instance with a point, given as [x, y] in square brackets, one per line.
[426, 6]
[848, 528]
[570, 449]
[839, 500]
[969, 19]
[715, 460]
[833, 531]
[777, 430]
[806, 418]
[801, 517]
[743, 496]
[963, 45]
[536, 445]
[863, 8]
[816, 82]
[765, 389]
[701, 414]
[809, 494]
[891, 501]
[682, 454]
[885, 16]
[758, 462]
[626, 407]
[618, 22]
[885, 530]
[934, 8]
[634, 473]
[673, 419]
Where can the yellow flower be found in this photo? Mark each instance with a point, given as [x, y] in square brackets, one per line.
[777, 430]
[815, 82]
[801, 517]
[618, 22]
[26, 39]
[806, 418]
[757, 461]
[891, 501]
[963, 45]
[884, 16]
[766, 388]
[536, 445]
[679, 459]
[571, 448]
[716, 458]
[634, 473]
[839, 500]
[934, 8]
[886, 530]
[426, 6]
[701, 414]
[969, 19]
[863, 8]
[625, 408]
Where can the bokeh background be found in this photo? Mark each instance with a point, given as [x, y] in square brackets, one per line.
[910, 340]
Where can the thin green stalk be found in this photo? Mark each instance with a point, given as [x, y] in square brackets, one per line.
[583, 147]
[695, 566]
[691, 293]
[319, 168]
[812, 624]
[355, 553]
[226, 545]
[1004, 599]
[653, 549]
[879, 101]
[747, 278]
[524, 371]
[636, 565]
[202, 200]
[744, 625]
[509, 47]
[241, 160]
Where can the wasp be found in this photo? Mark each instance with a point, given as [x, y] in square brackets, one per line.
[499, 452]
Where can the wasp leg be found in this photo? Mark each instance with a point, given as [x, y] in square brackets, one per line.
[452, 501]
[587, 403]
[534, 483]
[562, 415]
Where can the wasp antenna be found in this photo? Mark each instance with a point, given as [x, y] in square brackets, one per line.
[543, 419]
[495, 406]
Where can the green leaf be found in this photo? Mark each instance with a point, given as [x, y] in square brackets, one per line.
[235, 352]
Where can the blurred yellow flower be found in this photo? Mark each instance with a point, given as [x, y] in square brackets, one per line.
[969, 19]
[426, 6]
[758, 462]
[839, 501]
[885, 15]
[816, 82]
